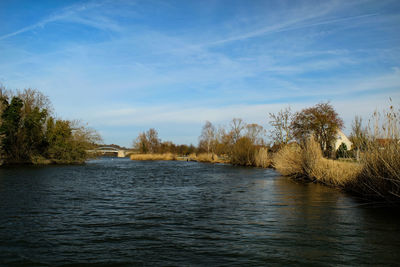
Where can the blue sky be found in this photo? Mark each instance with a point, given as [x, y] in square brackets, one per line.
[126, 66]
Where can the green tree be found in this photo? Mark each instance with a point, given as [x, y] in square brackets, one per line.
[341, 151]
[11, 122]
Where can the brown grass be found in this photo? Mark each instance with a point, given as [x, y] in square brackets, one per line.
[380, 175]
[207, 157]
[309, 163]
[376, 177]
[288, 161]
[166, 156]
[262, 158]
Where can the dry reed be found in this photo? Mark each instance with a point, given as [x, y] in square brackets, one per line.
[308, 162]
[380, 175]
[166, 156]
[288, 161]
[207, 157]
[262, 158]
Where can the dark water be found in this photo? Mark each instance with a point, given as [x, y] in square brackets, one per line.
[121, 212]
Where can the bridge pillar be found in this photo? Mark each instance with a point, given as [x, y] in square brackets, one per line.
[121, 153]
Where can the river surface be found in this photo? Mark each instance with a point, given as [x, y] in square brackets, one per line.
[117, 212]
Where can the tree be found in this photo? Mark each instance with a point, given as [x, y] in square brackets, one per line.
[342, 151]
[243, 152]
[223, 140]
[207, 137]
[153, 140]
[28, 133]
[282, 133]
[148, 142]
[68, 141]
[141, 143]
[255, 133]
[359, 136]
[237, 126]
[11, 122]
[321, 121]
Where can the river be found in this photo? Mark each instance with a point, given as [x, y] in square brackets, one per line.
[118, 212]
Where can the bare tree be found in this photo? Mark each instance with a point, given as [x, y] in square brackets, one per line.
[153, 140]
[281, 123]
[358, 136]
[255, 133]
[208, 136]
[237, 126]
[141, 143]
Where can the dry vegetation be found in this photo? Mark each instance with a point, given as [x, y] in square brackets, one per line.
[166, 156]
[373, 172]
[207, 157]
[309, 163]
[380, 175]
[375, 176]
[262, 158]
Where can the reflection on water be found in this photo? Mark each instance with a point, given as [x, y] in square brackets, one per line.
[184, 213]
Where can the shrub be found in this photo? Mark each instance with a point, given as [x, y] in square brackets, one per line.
[342, 151]
[243, 152]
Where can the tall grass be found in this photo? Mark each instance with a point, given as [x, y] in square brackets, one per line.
[166, 156]
[307, 162]
[288, 161]
[262, 158]
[208, 157]
[376, 176]
[380, 175]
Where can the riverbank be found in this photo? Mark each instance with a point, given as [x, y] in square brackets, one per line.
[376, 177]
[44, 161]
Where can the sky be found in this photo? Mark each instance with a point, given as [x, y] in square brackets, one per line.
[123, 67]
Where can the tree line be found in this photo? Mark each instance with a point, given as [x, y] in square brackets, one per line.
[149, 142]
[242, 142]
[30, 133]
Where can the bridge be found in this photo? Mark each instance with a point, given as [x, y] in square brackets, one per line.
[108, 150]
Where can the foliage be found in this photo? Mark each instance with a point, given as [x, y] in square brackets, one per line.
[147, 142]
[243, 152]
[342, 151]
[320, 121]
[30, 135]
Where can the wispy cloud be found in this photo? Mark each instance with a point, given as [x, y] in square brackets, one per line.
[159, 66]
[75, 14]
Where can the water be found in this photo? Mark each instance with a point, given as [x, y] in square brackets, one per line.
[127, 213]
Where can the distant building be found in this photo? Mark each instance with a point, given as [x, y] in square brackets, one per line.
[342, 138]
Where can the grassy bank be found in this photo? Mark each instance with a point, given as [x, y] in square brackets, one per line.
[377, 176]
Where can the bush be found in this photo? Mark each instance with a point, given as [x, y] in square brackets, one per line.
[342, 151]
[243, 152]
